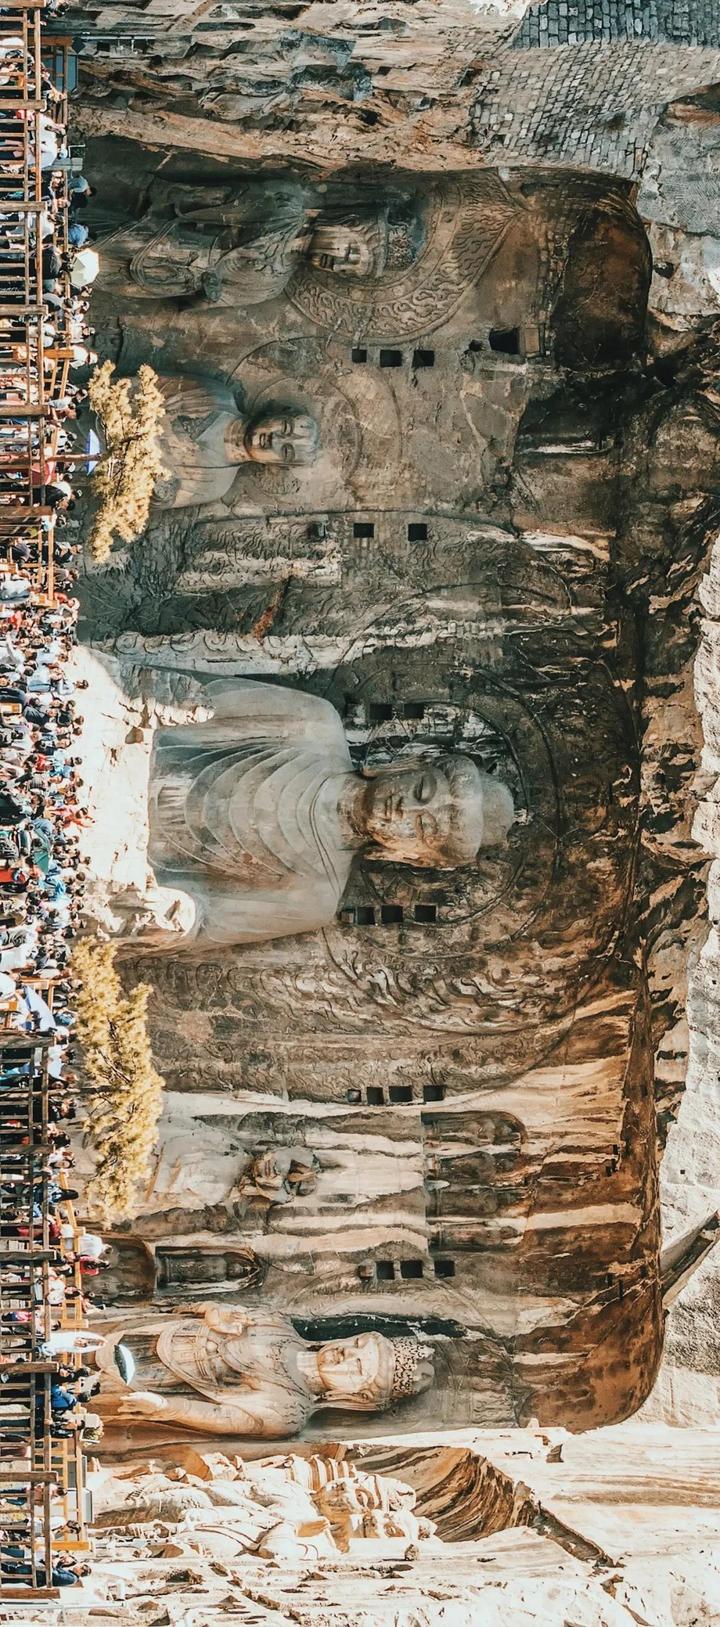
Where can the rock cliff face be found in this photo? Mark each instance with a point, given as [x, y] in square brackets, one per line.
[603, 1530]
[439, 1112]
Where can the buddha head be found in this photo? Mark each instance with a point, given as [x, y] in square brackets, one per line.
[369, 1372]
[286, 437]
[347, 248]
[434, 815]
[366, 246]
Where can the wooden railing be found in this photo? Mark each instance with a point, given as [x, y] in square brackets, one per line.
[42, 1486]
[34, 367]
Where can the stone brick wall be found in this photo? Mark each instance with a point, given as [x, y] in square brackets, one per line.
[604, 22]
[584, 105]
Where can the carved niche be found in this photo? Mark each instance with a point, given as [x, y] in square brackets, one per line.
[465, 1053]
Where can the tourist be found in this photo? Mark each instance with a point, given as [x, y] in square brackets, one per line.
[42, 806]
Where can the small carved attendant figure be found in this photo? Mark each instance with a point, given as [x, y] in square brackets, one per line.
[277, 1175]
[229, 1371]
[204, 440]
[257, 814]
[240, 252]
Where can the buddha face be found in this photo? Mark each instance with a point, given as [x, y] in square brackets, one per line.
[357, 1371]
[345, 250]
[361, 1372]
[284, 437]
[436, 815]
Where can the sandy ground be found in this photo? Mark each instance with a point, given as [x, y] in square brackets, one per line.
[116, 744]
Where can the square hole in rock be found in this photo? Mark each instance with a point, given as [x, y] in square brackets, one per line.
[363, 528]
[391, 358]
[423, 358]
[417, 531]
[426, 912]
[505, 340]
[411, 1268]
[400, 1093]
[433, 1093]
[365, 914]
[380, 711]
[391, 914]
[359, 354]
[444, 1268]
[375, 1096]
[385, 1270]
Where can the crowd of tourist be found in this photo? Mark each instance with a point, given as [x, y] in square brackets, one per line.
[46, 1260]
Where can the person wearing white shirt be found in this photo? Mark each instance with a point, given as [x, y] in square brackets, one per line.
[10, 654]
[91, 1246]
[20, 950]
[67, 1340]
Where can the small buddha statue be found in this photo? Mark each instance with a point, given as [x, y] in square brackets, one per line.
[229, 1371]
[204, 440]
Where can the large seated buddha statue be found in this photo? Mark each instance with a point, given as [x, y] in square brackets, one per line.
[257, 815]
[226, 1370]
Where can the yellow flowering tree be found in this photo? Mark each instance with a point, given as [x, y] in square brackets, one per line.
[130, 412]
[124, 1094]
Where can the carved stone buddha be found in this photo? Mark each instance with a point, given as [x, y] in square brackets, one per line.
[204, 440]
[366, 244]
[257, 814]
[229, 1371]
[243, 251]
[238, 252]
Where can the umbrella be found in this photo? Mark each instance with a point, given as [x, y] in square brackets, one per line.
[85, 268]
[93, 450]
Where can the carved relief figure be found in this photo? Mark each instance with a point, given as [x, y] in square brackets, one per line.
[204, 440]
[277, 1175]
[293, 1506]
[229, 1371]
[257, 814]
[397, 264]
[239, 251]
[243, 251]
[232, 1269]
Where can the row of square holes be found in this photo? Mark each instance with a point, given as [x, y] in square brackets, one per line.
[394, 358]
[375, 1095]
[385, 711]
[410, 1270]
[386, 914]
[364, 530]
[505, 341]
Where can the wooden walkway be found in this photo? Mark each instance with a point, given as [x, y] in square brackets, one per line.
[42, 1492]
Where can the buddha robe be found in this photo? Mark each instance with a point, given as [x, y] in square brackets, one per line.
[243, 813]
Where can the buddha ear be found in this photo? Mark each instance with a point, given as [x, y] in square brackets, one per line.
[374, 771]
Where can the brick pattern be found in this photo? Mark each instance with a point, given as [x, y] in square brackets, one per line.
[602, 22]
[586, 105]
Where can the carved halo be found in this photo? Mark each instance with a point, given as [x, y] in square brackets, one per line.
[355, 409]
